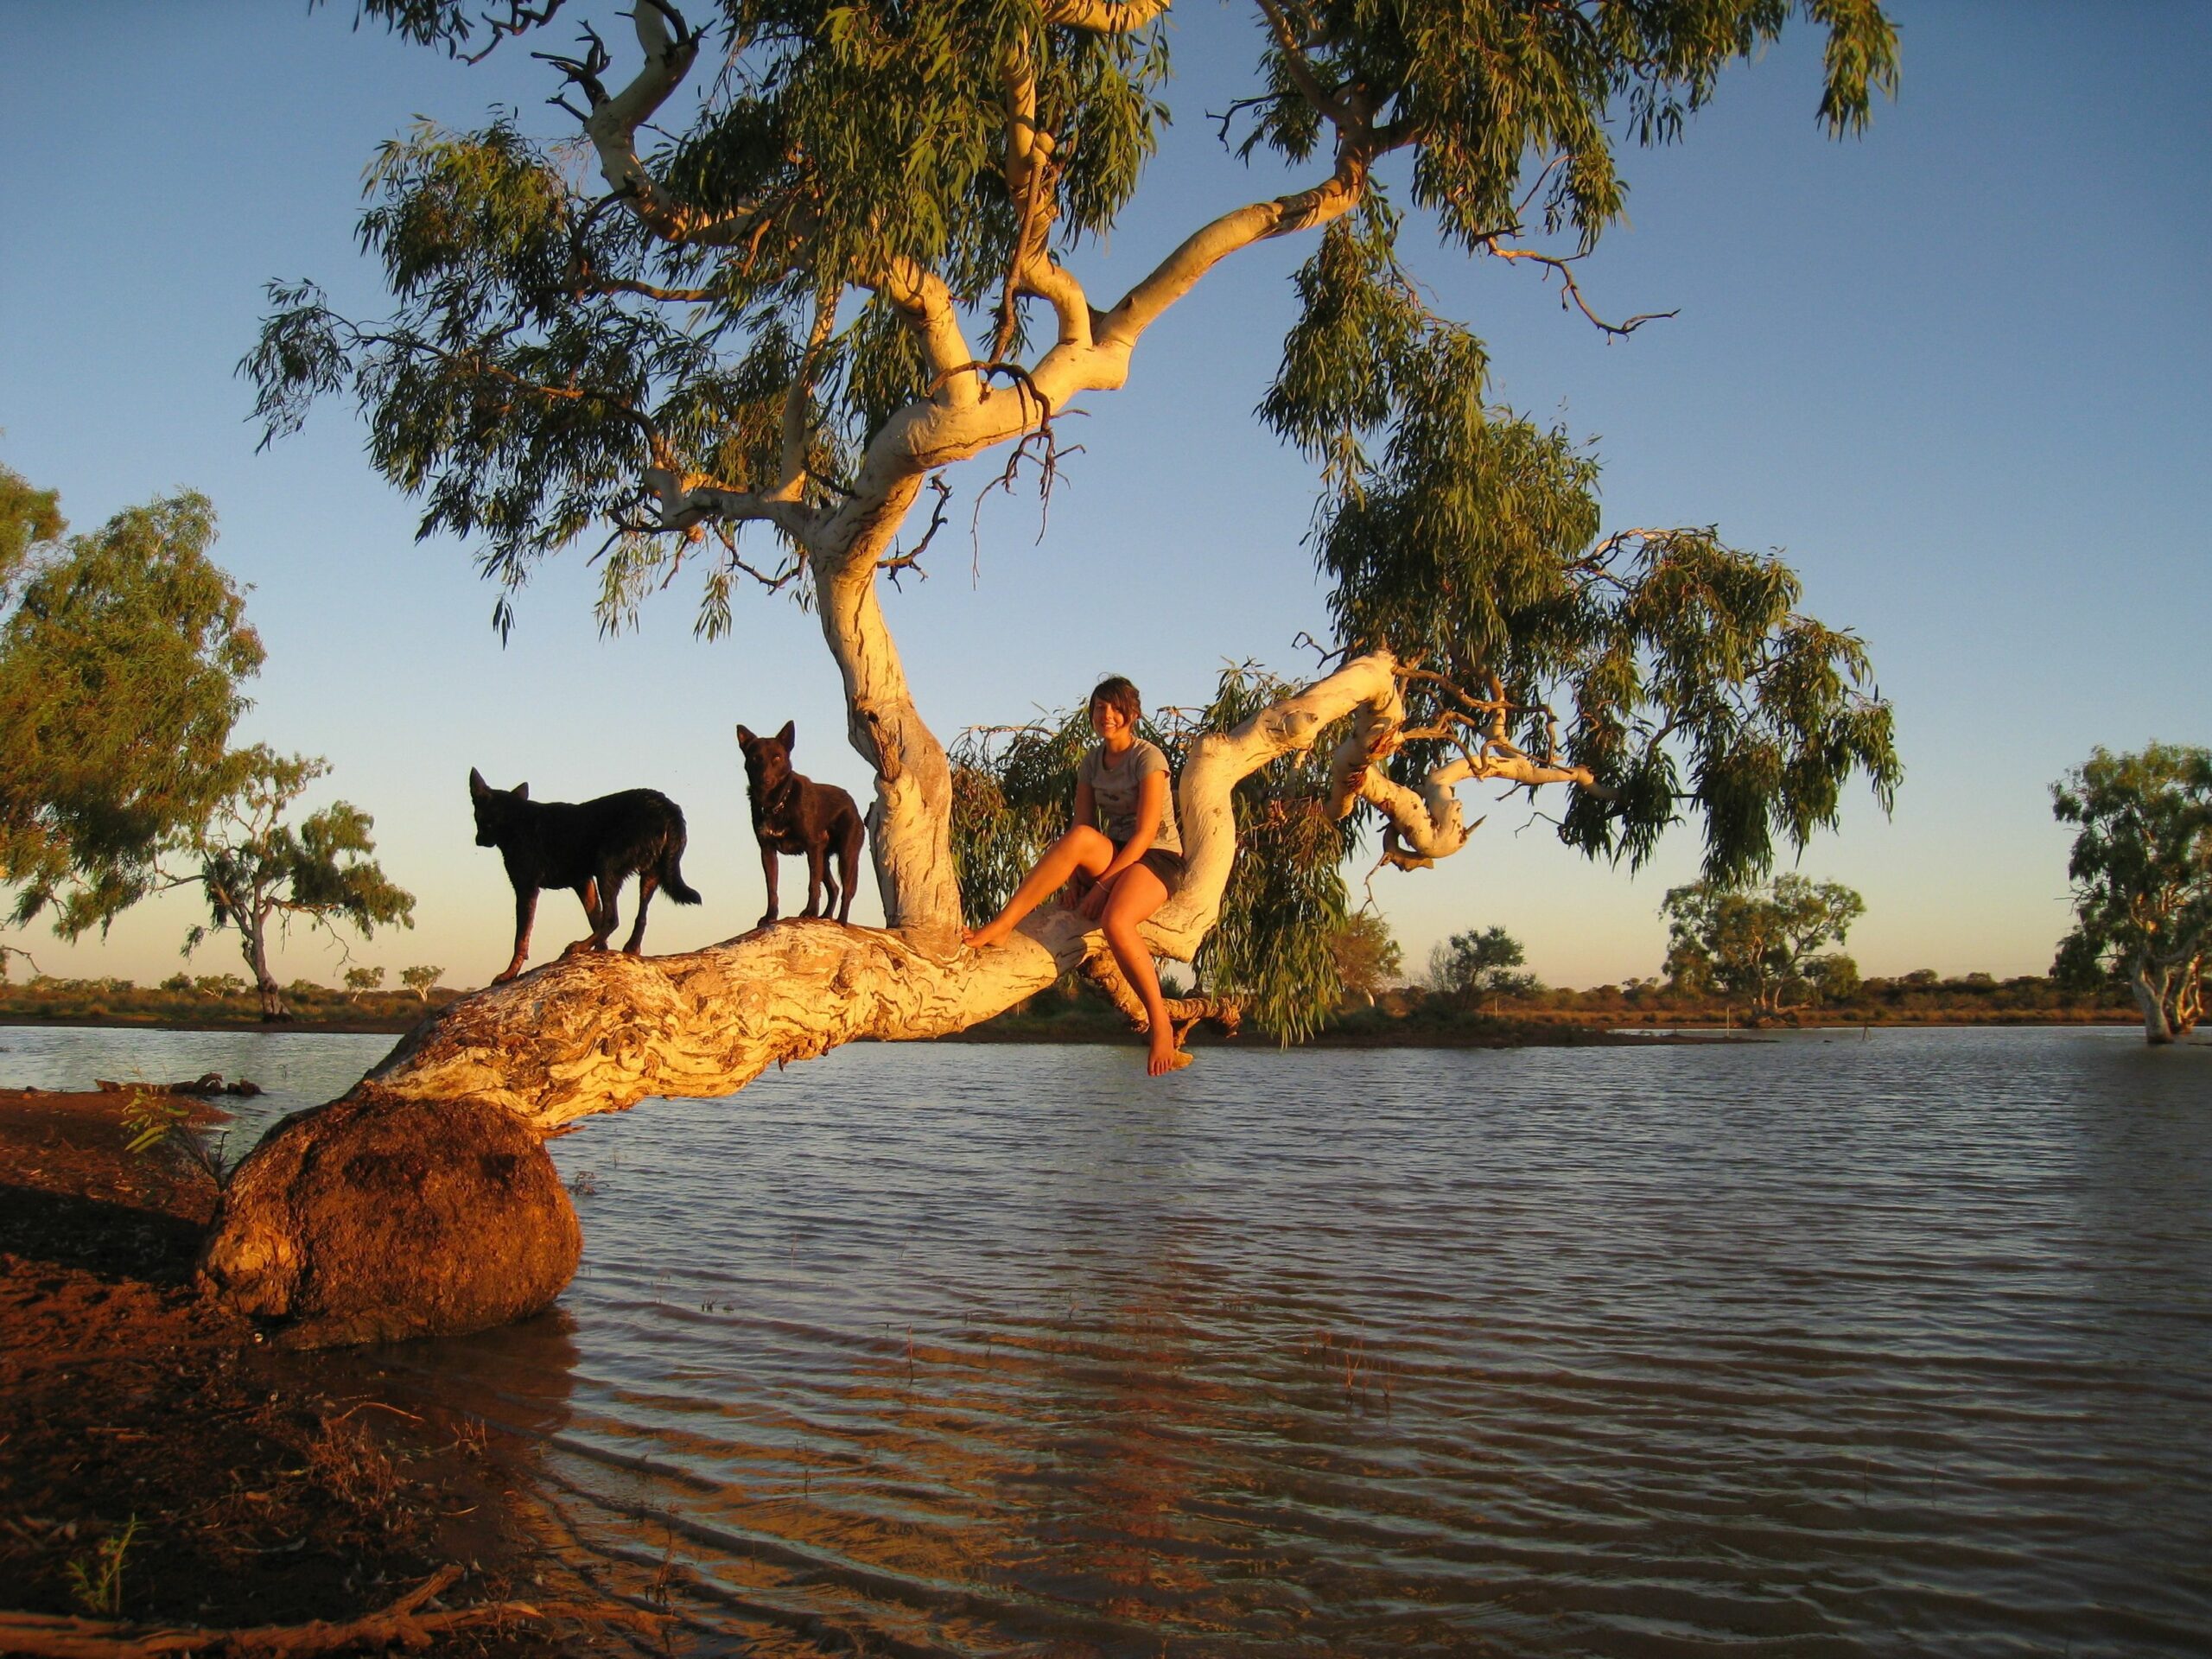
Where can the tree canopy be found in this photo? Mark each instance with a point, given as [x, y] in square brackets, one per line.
[1368, 959]
[120, 671]
[1761, 941]
[1480, 964]
[2142, 873]
[835, 248]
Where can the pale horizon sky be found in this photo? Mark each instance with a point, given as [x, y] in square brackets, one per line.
[1957, 371]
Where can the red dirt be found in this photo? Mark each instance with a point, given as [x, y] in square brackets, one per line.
[263, 1490]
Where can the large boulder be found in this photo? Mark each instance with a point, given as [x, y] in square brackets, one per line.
[375, 1219]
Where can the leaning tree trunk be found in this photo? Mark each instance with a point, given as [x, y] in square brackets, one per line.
[2150, 986]
[422, 1201]
[254, 940]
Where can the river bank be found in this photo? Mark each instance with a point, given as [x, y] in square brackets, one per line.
[161, 1462]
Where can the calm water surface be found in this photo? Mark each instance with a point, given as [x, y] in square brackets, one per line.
[1820, 1346]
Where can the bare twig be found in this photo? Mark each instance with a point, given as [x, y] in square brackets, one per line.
[910, 560]
[1571, 293]
[518, 19]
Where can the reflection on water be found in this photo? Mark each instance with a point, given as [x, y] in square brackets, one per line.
[296, 1068]
[1821, 1346]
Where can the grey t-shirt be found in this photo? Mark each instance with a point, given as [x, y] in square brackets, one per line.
[1114, 785]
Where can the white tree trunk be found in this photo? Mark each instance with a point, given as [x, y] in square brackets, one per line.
[2154, 988]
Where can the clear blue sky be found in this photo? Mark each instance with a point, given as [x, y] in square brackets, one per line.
[1956, 370]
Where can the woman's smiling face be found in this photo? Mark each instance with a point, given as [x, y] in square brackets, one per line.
[1110, 722]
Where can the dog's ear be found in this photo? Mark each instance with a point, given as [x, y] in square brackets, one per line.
[520, 791]
[478, 789]
[744, 738]
[790, 731]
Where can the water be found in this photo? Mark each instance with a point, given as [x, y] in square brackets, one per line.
[1820, 1346]
[295, 1068]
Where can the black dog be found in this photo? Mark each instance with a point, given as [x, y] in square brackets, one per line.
[590, 848]
[792, 814]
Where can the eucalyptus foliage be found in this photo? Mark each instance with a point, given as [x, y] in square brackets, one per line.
[120, 670]
[2142, 873]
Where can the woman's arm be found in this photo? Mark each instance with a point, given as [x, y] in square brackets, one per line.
[1086, 806]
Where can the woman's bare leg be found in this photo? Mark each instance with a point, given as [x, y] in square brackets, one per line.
[1082, 848]
[1137, 893]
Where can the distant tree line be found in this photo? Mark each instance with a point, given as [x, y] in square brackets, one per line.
[185, 998]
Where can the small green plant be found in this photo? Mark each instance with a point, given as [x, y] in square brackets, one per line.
[159, 1125]
[96, 1580]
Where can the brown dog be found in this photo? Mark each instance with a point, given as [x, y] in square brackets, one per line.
[792, 814]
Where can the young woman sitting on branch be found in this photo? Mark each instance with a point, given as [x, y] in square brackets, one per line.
[1123, 852]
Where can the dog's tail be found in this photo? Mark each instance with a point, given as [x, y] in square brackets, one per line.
[671, 874]
[671, 879]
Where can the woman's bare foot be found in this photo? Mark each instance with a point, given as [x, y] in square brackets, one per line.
[1164, 1056]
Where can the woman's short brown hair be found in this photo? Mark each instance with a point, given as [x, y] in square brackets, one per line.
[1120, 695]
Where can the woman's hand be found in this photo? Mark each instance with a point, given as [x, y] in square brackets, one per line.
[1092, 905]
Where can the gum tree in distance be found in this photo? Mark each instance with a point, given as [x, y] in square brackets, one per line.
[2142, 873]
[832, 250]
[1760, 941]
[121, 663]
[260, 873]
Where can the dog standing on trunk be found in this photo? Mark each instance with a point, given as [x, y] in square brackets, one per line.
[792, 814]
[591, 847]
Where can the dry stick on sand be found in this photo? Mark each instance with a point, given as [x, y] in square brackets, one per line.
[46, 1636]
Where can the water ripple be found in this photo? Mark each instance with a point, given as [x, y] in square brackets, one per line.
[1822, 1346]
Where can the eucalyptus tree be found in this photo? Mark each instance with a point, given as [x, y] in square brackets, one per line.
[121, 663]
[1473, 964]
[1368, 959]
[1761, 940]
[261, 873]
[2142, 873]
[832, 250]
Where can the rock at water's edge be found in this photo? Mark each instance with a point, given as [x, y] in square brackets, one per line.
[373, 1219]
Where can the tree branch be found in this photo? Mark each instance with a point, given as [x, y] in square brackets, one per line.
[798, 397]
[1182, 1011]
[670, 46]
[1301, 70]
[1571, 292]
[1358, 149]
[404, 1623]
[688, 501]
[927, 303]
